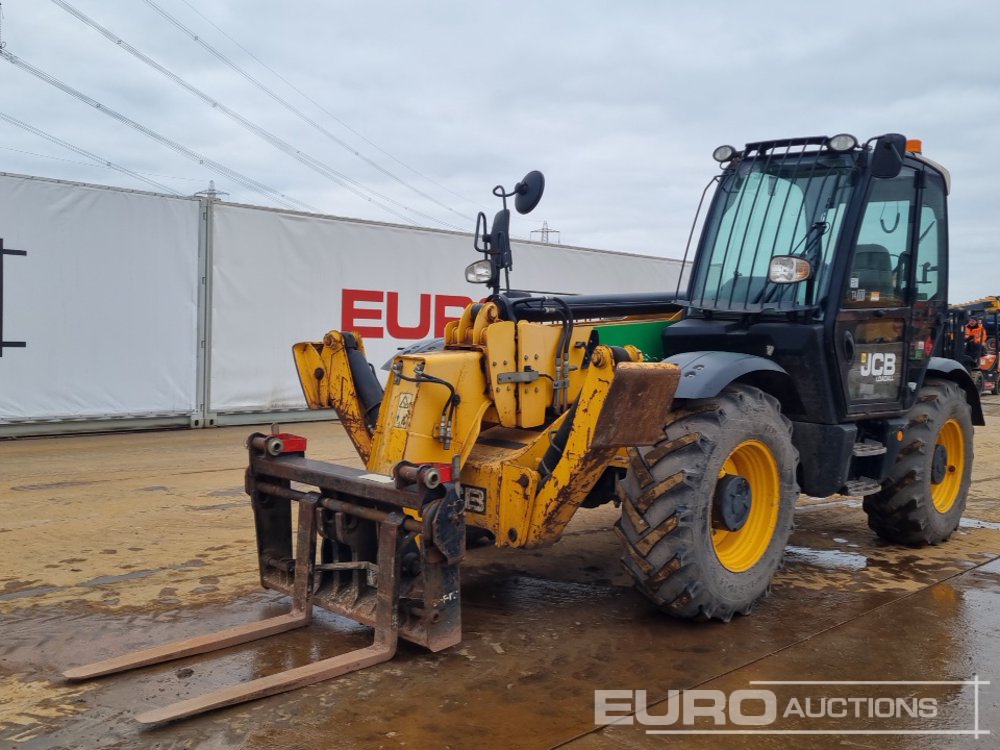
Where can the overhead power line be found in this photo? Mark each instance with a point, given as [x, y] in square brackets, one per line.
[221, 169]
[76, 149]
[290, 107]
[102, 164]
[310, 161]
[323, 109]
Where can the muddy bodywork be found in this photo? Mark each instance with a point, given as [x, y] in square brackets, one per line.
[534, 413]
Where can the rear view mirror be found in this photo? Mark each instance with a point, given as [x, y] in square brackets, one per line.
[495, 243]
[887, 157]
[529, 192]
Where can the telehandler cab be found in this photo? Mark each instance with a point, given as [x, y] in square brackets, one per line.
[800, 359]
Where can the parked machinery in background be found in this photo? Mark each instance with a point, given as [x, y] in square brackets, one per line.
[972, 334]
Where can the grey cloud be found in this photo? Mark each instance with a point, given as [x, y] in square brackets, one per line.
[620, 104]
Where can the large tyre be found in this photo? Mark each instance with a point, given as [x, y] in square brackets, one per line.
[722, 460]
[923, 499]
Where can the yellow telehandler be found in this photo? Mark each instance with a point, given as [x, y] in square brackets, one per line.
[800, 358]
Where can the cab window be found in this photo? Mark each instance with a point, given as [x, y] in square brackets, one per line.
[879, 270]
[932, 242]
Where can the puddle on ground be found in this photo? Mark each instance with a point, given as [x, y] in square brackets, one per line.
[104, 580]
[50, 485]
[834, 559]
[975, 523]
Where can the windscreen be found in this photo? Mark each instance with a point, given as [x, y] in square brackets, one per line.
[775, 204]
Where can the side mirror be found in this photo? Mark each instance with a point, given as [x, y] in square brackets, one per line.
[887, 157]
[529, 192]
[788, 269]
[495, 243]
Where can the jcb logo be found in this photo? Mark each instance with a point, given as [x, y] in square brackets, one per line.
[878, 363]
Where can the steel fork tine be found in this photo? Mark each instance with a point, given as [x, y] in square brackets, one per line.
[300, 615]
[383, 648]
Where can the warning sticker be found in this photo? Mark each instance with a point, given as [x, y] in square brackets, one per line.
[404, 410]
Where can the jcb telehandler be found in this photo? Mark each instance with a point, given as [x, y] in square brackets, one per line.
[800, 359]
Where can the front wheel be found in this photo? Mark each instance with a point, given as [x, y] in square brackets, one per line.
[706, 512]
[923, 499]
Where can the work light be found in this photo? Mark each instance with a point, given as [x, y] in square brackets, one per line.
[724, 153]
[480, 272]
[788, 269]
[842, 142]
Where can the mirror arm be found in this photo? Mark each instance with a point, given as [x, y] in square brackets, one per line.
[481, 222]
[502, 194]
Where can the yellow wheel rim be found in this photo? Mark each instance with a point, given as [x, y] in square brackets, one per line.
[945, 493]
[741, 550]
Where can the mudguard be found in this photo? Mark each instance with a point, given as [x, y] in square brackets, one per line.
[424, 345]
[949, 369]
[705, 374]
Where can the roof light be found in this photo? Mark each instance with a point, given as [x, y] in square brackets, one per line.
[915, 145]
[724, 153]
[842, 142]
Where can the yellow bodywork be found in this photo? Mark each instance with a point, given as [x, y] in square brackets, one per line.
[516, 385]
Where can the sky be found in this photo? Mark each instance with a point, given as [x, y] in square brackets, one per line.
[421, 108]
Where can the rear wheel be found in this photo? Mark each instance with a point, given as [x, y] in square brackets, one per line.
[706, 512]
[923, 499]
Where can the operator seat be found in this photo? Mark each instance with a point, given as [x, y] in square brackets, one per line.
[873, 269]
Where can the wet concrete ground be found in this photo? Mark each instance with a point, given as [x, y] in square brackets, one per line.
[115, 542]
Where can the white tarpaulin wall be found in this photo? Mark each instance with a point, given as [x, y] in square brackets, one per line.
[279, 278]
[139, 309]
[106, 300]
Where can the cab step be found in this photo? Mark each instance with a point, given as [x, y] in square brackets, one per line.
[869, 448]
[861, 486]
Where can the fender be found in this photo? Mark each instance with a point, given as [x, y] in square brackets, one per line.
[949, 369]
[419, 347]
[705, 374]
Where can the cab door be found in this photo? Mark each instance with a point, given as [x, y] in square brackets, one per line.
[873, 325]
[930, 275]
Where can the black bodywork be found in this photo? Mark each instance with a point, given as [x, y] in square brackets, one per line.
[832, 352]
[846, 351]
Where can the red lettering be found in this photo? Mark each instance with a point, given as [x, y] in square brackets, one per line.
[397, 331]
[350, 313]
[441, 304]
[446, 307]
